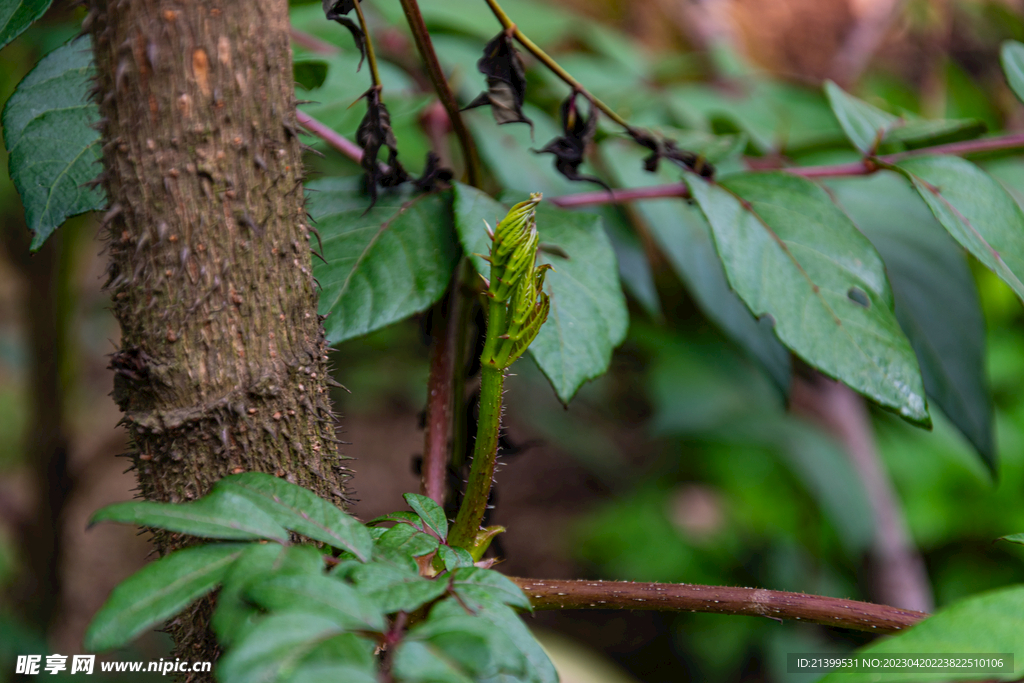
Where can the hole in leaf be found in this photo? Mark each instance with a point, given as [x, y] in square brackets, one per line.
[857, 296]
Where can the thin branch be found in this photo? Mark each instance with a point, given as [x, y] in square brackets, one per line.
[867, 166]
[755, 602]
[338, 142]
[371, 56]
[443, 89]
[551, 64]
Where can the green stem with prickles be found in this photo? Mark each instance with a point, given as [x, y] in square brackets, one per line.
[481, 473]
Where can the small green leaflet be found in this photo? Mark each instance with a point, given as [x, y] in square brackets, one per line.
[588, 315]
[394, 588]
[301, 511]
[159, 591]
[975, 209]
[454, 558]
[790, 253]
[474, 583]
[220, 514]
[309, 74]
[1013, 538]
[18, 15]
[991, 622]
[384, 264]
[1012, 56]
[319, 594]
[430, 512]
[53, 148]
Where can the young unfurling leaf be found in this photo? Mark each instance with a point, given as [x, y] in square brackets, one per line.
[577, 132]
[336, 11]
[506, 81]
[375, 132]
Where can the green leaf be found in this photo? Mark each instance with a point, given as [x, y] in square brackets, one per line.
[318, 594]
[159, 591]
[18, 15]
[394, 588]
[220, 514]
[588, 315]
[384, 264]
[992, 622]
[302, 511]
[309, 73]
[454, 558]
[1011, 54]
[419, 662]
[53, 148]
[937, 302]
[685, 238]
[343, 659]
[482, 584]
[1013, 538]
[790, 253]
[458, 635]
[430, 512]
[976, 210]
[274, 647]
[402, 517]
[235, 614]
[407, 541]
[867, 126]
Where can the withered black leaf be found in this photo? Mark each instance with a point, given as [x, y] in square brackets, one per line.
[577, 132]
[434, 174]
[506, 81]
[336, 11]
[667, 149]
[375, 132]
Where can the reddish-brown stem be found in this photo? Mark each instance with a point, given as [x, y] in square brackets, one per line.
[755, 602]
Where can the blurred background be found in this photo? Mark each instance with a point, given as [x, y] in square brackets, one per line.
[683, 463]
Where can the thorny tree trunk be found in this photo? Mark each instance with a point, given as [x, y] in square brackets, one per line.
[222, 366]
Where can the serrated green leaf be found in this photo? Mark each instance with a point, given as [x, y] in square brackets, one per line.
[1011, 54]
[684, 236]
[301, 511]
[407, 541]
[402, 517]
[790, 253]
[588, 316]
[309, 74]
[159, 591]
[937, 302]
[454, 558]
[275, 647]
[235, 614]
[539, 666]
[18, 15]
[430, 512]
[992, 622]
[1013, 538]
[394, 588]
[53, 148]
[384, 264]
[976, 210]
[220, 514]
[318, 594]
[480, 584]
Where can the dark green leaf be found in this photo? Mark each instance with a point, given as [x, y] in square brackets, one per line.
[790, 253]
[454, 558]
[588, 315]
[474, 583]
[318, 594]
[159, 591]
[1012, 56]
[407, 541]
[301, 511]
[18, 15]
[341, 659]
[457, 638]
[274, 647]
[235, 614]
[430, 512]
[310, 73]
[1013, 538]
[394, 588]
[402, 517]
[936, 299]
[992, 622]
[976, 211]
[222, 513]
[420, 662]
[53, 148]
[685, 238]
[382, 265]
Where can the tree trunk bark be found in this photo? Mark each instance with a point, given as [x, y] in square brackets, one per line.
[222, 366]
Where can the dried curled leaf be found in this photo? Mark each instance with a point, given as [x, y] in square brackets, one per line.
[667, 149]
[434, 175]
[506, 81]
[375, 132]
[577, 132]
[336, 11]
